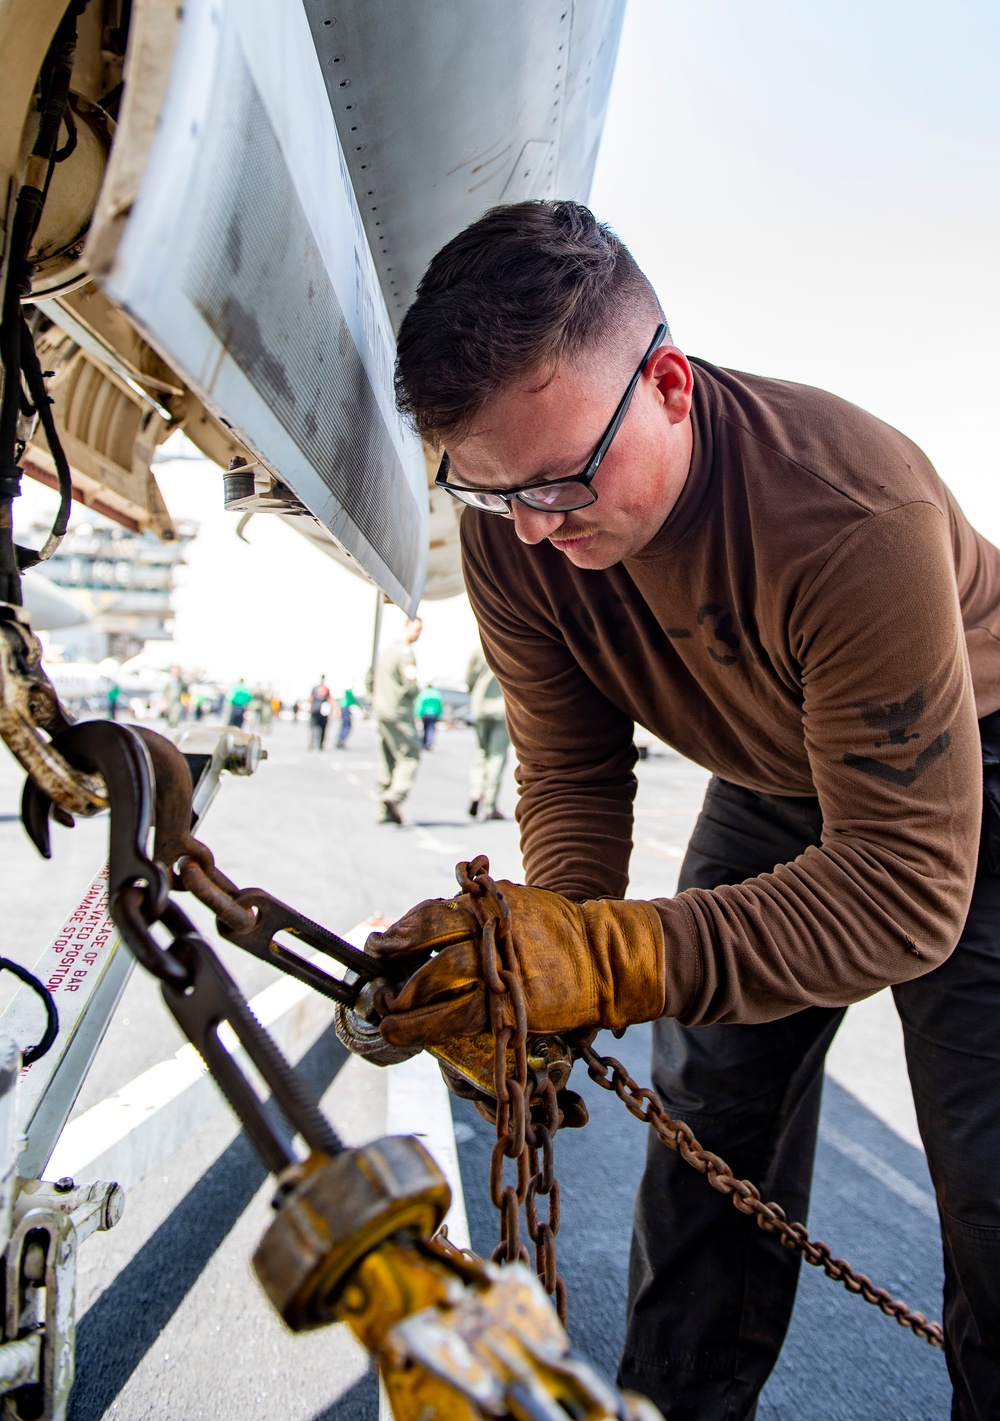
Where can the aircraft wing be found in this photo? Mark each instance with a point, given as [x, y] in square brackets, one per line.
[253, 204]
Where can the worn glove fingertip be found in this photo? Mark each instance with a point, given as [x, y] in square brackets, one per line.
[382, 943]
[403, 1031]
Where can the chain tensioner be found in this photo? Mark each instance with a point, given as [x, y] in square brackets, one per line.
[527, 1074]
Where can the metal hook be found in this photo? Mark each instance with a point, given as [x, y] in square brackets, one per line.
[121, 757]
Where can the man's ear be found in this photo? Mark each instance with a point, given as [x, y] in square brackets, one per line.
[670, 371]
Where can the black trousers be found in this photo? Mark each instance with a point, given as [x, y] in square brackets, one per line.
[710, 1295]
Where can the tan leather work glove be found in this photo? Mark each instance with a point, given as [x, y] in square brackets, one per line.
[582, 965]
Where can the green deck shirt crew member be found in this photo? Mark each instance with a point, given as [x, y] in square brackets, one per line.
[347, 703]
[427, 709]
[778, 585]
[239, 698]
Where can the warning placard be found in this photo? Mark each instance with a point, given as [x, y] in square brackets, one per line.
[72, 967]
[75, 953]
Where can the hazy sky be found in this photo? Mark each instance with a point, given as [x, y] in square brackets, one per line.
[813, 191]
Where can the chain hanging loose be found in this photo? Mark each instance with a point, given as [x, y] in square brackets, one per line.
[527, 1109]
[646, 1106]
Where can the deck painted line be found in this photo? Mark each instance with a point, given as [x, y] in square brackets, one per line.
[419, 1104]
[877, 1167]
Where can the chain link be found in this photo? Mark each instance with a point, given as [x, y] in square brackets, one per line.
[200, 875]
[527, 1109]
[646, 1106]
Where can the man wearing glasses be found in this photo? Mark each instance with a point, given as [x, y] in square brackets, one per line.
[778, 585]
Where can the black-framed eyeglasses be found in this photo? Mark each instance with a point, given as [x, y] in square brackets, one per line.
[553, 495]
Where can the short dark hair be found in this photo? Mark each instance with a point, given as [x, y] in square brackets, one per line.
[524, 287]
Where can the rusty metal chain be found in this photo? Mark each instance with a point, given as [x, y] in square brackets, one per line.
[200, 875]
[528, 1113]
[527, 1109]
[191, 862]
[677, 1135]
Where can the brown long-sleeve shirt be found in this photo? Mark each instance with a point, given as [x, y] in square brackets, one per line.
[815, 617]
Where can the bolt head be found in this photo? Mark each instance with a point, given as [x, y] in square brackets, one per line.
[64, 1185]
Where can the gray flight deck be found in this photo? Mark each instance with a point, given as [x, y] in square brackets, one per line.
[171, 1323]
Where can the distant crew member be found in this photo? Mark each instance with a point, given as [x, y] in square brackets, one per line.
[239, 698]
[347, 703]
[492, 740]
[320, 705]
[395, 693]
[174, 698]
[428, 711]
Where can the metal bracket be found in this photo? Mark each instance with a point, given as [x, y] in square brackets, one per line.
[93, 1208]
[209, 752]
[37, 1362]
[41, 1255]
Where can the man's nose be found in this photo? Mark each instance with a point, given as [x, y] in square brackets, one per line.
[532, 525]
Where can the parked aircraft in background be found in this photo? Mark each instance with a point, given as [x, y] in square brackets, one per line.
[81, 685]
[52, 607]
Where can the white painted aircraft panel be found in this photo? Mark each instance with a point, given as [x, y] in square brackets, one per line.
[246, 262]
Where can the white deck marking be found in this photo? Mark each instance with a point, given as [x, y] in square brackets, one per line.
[419, 1104]
[877, 1167]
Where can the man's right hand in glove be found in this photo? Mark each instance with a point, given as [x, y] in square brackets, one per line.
[582, 965]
